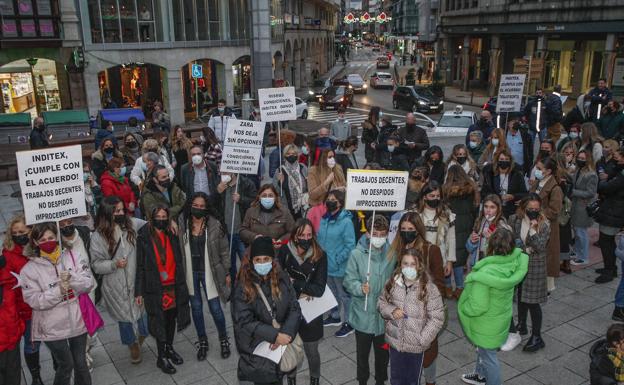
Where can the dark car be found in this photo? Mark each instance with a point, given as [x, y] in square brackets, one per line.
[416, 99]
[336, 97]
[383, 62]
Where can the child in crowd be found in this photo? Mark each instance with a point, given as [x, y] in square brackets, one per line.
[607, 358]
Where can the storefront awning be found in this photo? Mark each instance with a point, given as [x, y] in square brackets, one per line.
[122, 114]
[14, 120]
[65, 117]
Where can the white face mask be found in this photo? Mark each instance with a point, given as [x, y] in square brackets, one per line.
[409, 273]
[226, 178]
[197, 159]
[331, 162]
[378, 242]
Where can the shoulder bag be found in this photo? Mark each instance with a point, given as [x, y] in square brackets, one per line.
[90, 315]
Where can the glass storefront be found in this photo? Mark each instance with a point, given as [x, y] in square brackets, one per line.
[29, 19]
[559, 65]
[18, 93]
[241, 72]
[135, 85]
[205, 91]
[210, 20]
[124, 21]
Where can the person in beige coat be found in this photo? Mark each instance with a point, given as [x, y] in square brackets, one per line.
[412, 308]
[324, 177]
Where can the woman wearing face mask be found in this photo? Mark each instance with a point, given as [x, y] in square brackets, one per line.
[325, 176]
[463, 199]
[583, 192]
[101, 157]
[51, 283]
[412, 308]
[345, 155]
[591, 140]
[138, 175]
[489, 220]
[113, 258]
[412, 235]
[336, 237]
[506, 180]
[292, 177]
[607, 164]
[212, 147]
[15, 241]
[391, 156]
[267, 217]
[161, 286]
[261, 281]
[461, 157]
[496, 145]
[476, 145]
[547, 149]
[180, 147]
[131, 149]
[549, 191]
[439, 222]
[370, 132]
[567, 165]
[531, 231]
[306, 265]
[115, 183]
[433, 160]
[572, 137]
[205, 248]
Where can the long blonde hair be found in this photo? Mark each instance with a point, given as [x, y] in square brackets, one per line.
[8, 243]
[324, 170]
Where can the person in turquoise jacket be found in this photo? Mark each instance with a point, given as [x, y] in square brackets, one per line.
[336, 236]
[368, 324]
[485, 306]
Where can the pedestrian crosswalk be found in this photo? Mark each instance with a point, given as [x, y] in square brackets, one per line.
[354, 116]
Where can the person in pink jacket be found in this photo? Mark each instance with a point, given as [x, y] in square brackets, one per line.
[51, 283]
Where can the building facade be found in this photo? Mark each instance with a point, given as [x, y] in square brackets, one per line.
[577, 40]
[414, 29]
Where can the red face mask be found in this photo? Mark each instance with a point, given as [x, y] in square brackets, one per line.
[48, 246]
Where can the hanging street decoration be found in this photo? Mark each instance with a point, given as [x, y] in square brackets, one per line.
[366, 18]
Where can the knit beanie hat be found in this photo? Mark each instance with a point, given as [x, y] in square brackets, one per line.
[262, 246]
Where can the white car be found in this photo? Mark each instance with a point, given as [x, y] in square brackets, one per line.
[381, 79]
[357, 83]
[302, 108]
[456, 122]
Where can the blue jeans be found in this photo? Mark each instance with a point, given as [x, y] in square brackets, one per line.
[30, 346]
[619, 294]
[342, 297]
[126, 330]
[458, 272]
[488, 366]
[197, 307]
[238, 249]
[581, 243]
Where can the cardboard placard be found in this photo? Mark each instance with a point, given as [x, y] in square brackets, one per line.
[242, 147]
[510, 93]
[376, 190]
[277, 104]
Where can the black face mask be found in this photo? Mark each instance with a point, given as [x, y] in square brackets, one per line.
[165, 183]
[408, 236]
[68, 231]
[305, 244]
[160, 224]
[581, 163]
[436, 162]
[109, 150]
[433, 203]
[410, 127]
[120, 219]
[504, 164]
[331, 206]
[21, 240]
[461, 159]
[198, 213]
[40, 127]
[532, 214]
[544, 154]
[131, 144]
[291, 159]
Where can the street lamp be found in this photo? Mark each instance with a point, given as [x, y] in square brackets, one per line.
[33, 62]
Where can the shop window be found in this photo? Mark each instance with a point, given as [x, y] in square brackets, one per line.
[29, 19]
[17, 89]
[122, 21]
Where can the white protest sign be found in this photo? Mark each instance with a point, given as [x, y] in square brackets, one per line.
[242, 147]
[380, 190]
[51, 183]
[277, 104]
[312, 307]
[510, 92]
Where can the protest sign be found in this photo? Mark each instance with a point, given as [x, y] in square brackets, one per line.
[376, 190]
[242, 147]
[52, 184]
[277, 104]
[313, 307]
[510, 93]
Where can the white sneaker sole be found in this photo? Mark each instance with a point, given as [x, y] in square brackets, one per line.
[513, 340]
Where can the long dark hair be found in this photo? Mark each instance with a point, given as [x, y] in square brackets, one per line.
[267, 186]
[38, 230]
[105, 224]
[422, 270]
[398, 246]
[210, 208]
[300, 225]
[247, 277]
[442, 211]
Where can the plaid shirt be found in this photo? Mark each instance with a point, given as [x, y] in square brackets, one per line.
[617, 358]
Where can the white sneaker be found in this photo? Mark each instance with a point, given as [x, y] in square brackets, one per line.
[513, 340]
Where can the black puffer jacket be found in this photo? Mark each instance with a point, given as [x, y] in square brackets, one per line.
[601, 370]
[611, 211]
[253, 325]
[309, 278]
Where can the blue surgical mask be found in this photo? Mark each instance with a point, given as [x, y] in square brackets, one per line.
[473, 144]
[390, 148]
[267, 203]
[495, 142]
[304, 150]
[122, 171]
[574, 135]
[409, 273]
[144, 166]
[539, 175]
[85, 176]
[263, 268]
[221, 109]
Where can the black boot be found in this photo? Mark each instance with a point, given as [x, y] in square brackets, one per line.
[202, 348]
[292, 380]
[32, 361]
[225, 348]
[522, 329]
[165, 365]
[535, 343]
[314, 381]
[172, 355]
[618, 314]
[606, 276]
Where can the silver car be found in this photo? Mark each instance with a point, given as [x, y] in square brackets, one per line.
[357, 83]
[381, 80]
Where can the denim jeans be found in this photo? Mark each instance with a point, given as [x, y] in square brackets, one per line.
[238, 249]
[126, 330]
[69, 355]
[488, 366]
[619, 294]
[30, 346]
[197, 307]
[581, 243]
[342, 297]
[458, 272]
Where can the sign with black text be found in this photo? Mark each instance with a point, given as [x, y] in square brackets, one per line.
[242, 147]
[277, 104]
[376, 190]
[510, 93]
[52, 184]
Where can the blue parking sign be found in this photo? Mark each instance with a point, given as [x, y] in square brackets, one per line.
[197, 71]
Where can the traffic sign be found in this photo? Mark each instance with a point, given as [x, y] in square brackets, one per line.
[197, 71]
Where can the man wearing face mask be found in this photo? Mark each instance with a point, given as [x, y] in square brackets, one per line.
[199, 175]
[219, 120]
[390, 155]
[530, 115]
[415, 138]
[323, 142]
[484, 125]
[38, 135]
[340, 128]
[160, 190]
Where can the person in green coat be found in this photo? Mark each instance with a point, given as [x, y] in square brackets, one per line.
[368, 324]
[485, 306]
[611, 124]
[159, 189]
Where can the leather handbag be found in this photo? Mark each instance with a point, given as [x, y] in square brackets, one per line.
[293, 355]
[90, 315]
[592, 208]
